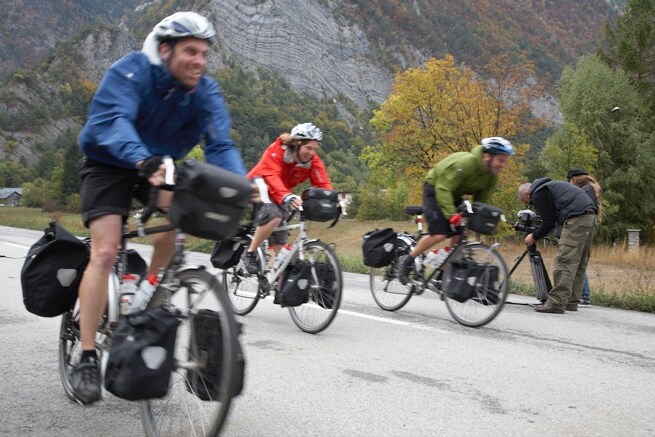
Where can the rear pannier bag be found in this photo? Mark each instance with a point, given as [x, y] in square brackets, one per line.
[484, 219]
[226, 253]
[52, 272]
[320, 205]
[206, 382]
[208, 201]
[294, 288]
[378, 247]
[141, 356]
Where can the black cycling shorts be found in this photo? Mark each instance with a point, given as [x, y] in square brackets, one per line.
[107, 190]
[437, 223]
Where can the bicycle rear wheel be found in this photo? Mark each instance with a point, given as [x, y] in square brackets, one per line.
[489, 285]
[199, 394]
[70, 347]
[387, 291]
[243, 287]
[326, 286]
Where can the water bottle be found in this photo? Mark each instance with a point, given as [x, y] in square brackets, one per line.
[128, 290]
[439, 257]
[144, 293]
[281, 256]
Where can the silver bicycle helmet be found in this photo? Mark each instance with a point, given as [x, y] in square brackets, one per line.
[306, 131]
[184, 25]
[496, 145]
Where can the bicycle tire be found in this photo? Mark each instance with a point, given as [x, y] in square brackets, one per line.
[486, 303]
[388, 293]
[242, 287]
[317, 314]
[183, 411]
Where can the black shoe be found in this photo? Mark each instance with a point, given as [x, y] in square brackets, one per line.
[85, 382]
[250, 262]
[404, 265]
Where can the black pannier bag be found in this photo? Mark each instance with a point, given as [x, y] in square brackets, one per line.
[489, 287]
[327, 294]
[208, 201]
[378, 247]
[141, 355]
[52, 272]
[226, 253]
[464, 279]
[484, 219]
[206, 383]
[320, 205]
[295, 284]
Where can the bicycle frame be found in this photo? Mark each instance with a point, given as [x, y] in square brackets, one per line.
[297, 247]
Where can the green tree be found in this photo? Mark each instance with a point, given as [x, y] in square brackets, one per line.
[565, 149]
[623, 139]
[631, 44]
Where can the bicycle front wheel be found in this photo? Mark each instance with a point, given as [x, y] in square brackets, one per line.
[475, 284]
[243, 287]
[387, 291]
[206, 348]
[326, 286]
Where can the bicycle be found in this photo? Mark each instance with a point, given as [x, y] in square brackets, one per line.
[325, 286]
[490, 283]
[183, 290]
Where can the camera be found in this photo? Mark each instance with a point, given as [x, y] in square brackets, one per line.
[529, 221]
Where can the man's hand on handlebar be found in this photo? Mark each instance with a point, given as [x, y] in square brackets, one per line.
[153, 169]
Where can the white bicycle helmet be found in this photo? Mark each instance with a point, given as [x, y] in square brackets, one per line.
[178, 25]
[306, 131]
[496, 145]
[184, 25]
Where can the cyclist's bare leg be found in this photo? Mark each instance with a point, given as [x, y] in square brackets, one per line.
[105, 235]
[429, 241]
[164, 242]
[426, 243]
[262, 232]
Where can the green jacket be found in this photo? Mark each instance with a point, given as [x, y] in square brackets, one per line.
[460, 174]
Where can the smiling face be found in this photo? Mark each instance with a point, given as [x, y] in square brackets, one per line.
[187, 60]
[306, 151]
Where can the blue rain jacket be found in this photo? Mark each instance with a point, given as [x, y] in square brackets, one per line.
[140, 111]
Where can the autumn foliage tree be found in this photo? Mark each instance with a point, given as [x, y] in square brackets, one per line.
[438, 109]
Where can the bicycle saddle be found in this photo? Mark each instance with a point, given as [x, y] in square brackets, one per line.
[414, 210]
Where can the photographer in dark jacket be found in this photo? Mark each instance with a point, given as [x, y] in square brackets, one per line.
[561, 203]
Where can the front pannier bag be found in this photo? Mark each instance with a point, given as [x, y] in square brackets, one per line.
[141, 356]
[464, 279]
[208, 201]
[52, 272]
[320, 205]
[206, 382]
[294, 287]
[484, 219]
[378, 247]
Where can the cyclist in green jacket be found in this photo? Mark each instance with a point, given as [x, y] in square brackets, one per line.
[462, 173]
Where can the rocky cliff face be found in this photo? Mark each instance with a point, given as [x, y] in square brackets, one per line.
[302, 41]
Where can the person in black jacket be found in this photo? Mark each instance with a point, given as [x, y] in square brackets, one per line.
[564, 204]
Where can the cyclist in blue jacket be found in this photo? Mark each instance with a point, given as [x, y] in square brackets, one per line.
[150, 103]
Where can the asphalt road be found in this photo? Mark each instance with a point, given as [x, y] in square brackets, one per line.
[414, 372]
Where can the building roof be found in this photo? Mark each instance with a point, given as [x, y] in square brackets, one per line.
[6, 192]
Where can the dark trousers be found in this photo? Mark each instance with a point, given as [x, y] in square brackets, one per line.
[571, 260]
